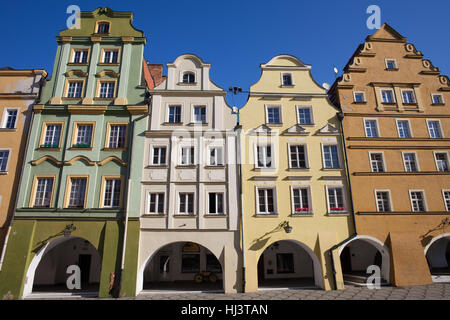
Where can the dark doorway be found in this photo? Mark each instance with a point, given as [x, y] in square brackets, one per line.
[346, 263]
[84, 262]
[261, 268]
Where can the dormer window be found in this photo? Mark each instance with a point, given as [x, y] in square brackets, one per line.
[188, 77]
[286, 79]
[103, 27]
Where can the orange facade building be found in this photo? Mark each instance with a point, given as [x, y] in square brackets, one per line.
[19, 90]
[396, 119]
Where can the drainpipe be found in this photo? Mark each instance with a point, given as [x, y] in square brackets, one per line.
[2, 257]
[238, 152]
[116, 294]
[341, 118]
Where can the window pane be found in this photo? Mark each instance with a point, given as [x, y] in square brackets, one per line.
[273, 115]
[43, 192]
[52, 135]
[77, 192]
[11, 119]
[298, 157]
[117, 136]
[304, 115]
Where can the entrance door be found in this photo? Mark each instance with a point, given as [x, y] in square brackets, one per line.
[84, 262]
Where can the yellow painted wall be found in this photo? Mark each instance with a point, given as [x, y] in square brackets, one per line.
[320, 231]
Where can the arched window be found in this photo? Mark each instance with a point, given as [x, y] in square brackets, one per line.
[188, 77]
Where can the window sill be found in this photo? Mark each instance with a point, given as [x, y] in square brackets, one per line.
[197, 124]
[360, 102]
[108, 64]
[72, 98]
[78, 64]
[153, 215]
[172, 123]
[48, 149]
[157, 166]
[114, 149]
[389, 103]
[80, 148]
[343, 213]
[266, 215]
[410, 104]
[275, 124]
[391, 69]
[215, 215]
[3, 173]
[215, 167]
[8, 129]
[182, 215]
[438, 104]
[306, 214]
[264, 169]
[299, 169]
[187, 83]
[287, 86]
[306, 124]
[104, 99]
[186, 166]
[332, 169]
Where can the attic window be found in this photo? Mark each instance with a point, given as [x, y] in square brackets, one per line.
[391, 64]
[286, 79]
[103, 27]
[188, 77]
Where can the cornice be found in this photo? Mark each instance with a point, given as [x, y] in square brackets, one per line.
[140, 109]
[83, 109]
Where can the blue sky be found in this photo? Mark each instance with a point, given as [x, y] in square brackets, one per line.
[235, 36]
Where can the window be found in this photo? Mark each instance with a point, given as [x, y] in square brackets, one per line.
[434, 129]
[77, 192]
[446, 195]
[383, 201]
[298, 157]
[156, 203]
[200, 114]
[187, 156]
[273, 114]
[186, 203]
[330, 155]
[417, 201]
[10, 119]
[403, 129]
[159, 156]
[264, 156]
[190, 263]
[216, 203]
[215, 156]
[83, 136]
[103, 27]
[4, 157]
[376, 162]
[43, 193]
[437, 98]
[80, 56]
[175, 114]
[304, 115]
[212, 264]
[107, 89]
[336, 200]
[52, 136]
[110, 56]
[117, 136]
[387, 96]
[410, 163]
[112, 193]
[371, 128]
[266, 201]
[189, 77]
[441, 159]
[301, 200]
[74, 89]
[408, 97]
[391, 64]
[359, 97]
[285, 263]
[287, 79]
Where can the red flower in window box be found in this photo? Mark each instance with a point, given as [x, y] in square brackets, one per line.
[301, 209]
[337, 208]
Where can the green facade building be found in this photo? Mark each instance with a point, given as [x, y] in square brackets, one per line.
[78, 195]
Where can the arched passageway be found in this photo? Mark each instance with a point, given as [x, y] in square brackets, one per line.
[182, 266]
[438, 258]
[289, 264]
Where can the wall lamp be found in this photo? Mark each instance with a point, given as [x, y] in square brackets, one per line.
[287, 228]
[68, 229]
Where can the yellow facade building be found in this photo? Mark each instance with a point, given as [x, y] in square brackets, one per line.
[295, 198]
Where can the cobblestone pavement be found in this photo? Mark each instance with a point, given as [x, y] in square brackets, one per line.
[437, 291]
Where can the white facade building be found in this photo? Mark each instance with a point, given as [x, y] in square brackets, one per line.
[189, 207]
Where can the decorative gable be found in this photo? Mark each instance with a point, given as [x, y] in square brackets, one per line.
[328, 130]
[296, 130]
[386, 33]
[262, 130]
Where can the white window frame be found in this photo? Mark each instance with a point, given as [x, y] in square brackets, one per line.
[193, 113]
[168, 106]
[338, 155]
[40, 205]
[108, 89]
[264, 144]
[152, 155]
[194, 206]
[344, 199]
[292, 79]
[311, 114]
[181, 75]
[413, 96]
[275, 207]
[435, 159]
[447, 207]
[308, 191]
[189, 147]
[389, 196]
[376, 127]
[409, 128]
[223, 203]
[424, 200]
[78, 125]
[115, 144]
[277, 106]
[58, 142]
[359, 92]
[305, 146]
[219, 161]
[392, 60]
[9, 158]
[86, 52]
[112, 192]
[394, 100]
[5, 117]
[157, 202]
[111, 56]
[441, 132]
[437, 94]
[382, 159]
[416, 160]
